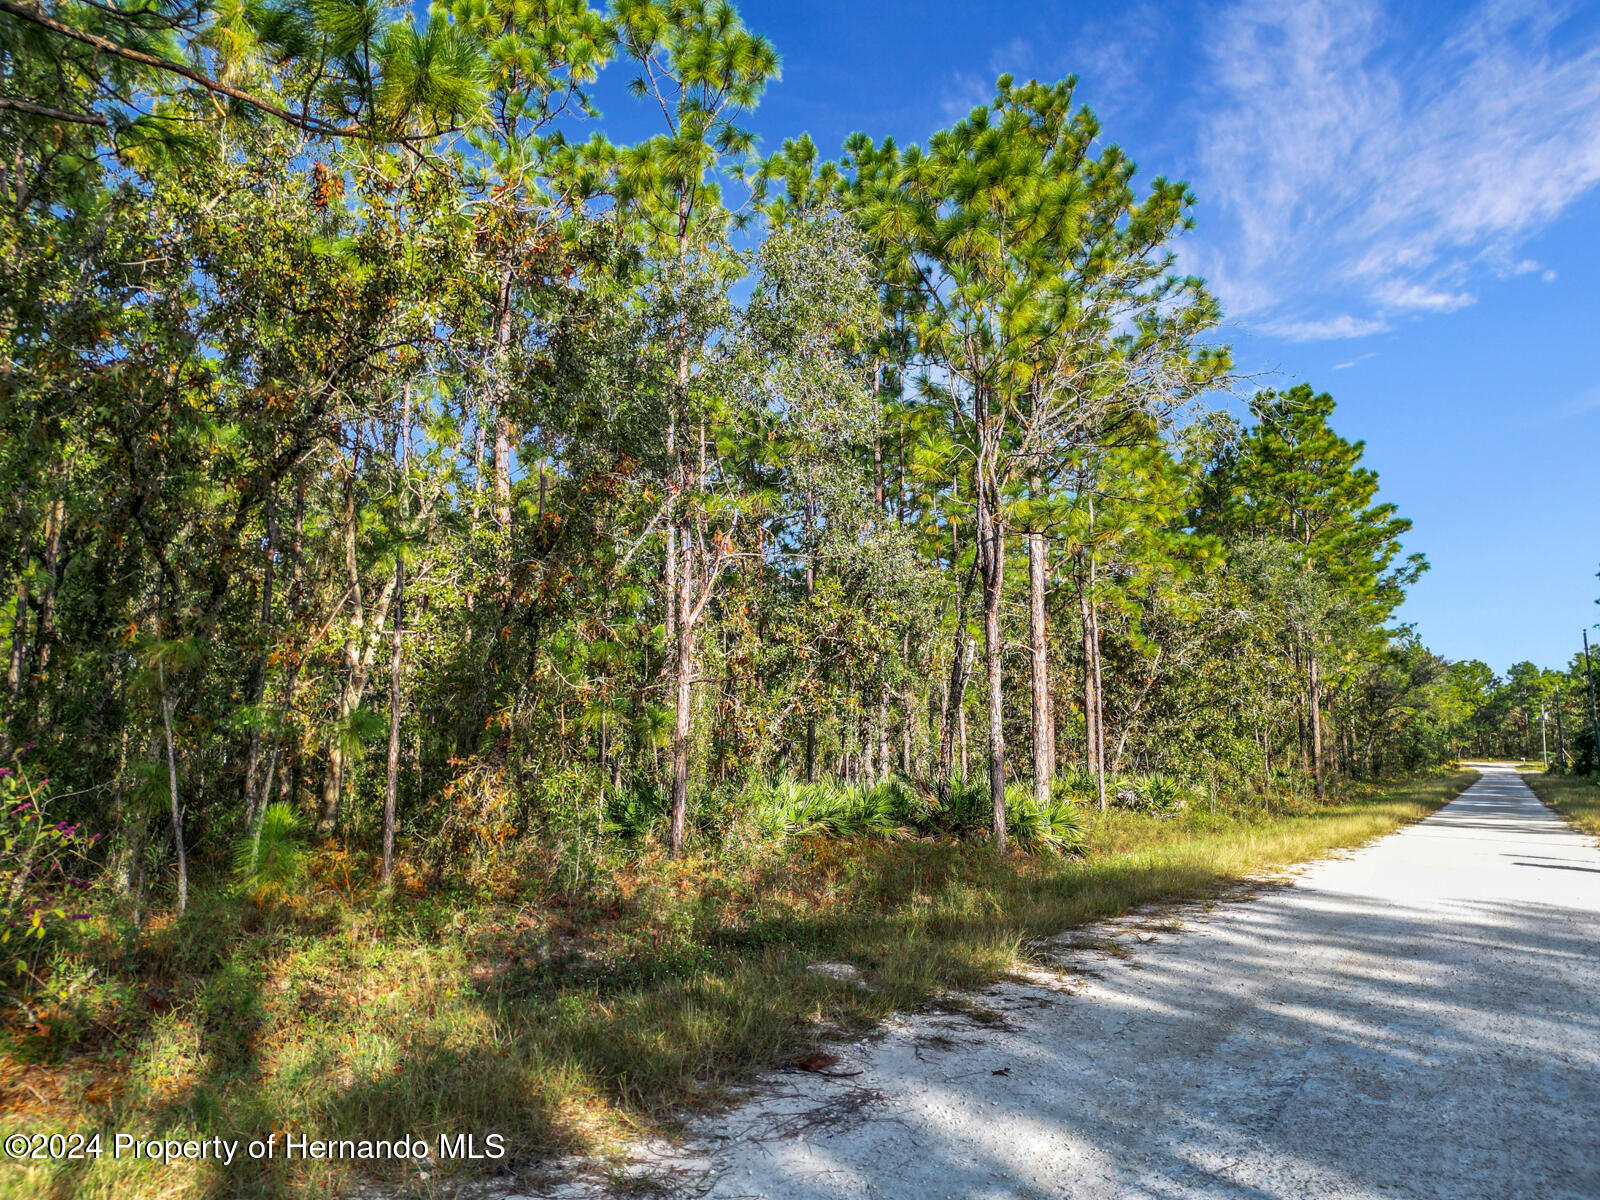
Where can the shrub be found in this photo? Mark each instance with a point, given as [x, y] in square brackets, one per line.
[792, 808]
[269, 862]
[1052, 828]
[1161, 795]
[633, 813]
[1076, 783]
[43, 869]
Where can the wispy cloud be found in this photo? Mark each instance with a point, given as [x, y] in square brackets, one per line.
[1354, 362]
[1111, 53]
[1326, 330]
[963, 93]
[1394, 293]
[1377, 167]
[967, 90]
[1587, 402]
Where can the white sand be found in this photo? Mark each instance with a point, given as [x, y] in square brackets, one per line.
[1420, 1018]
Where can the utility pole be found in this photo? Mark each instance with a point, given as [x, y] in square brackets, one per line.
[1561, 740]
[1544, 736]
[1588, 671]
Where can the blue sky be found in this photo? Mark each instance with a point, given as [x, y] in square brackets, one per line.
[1398, 202]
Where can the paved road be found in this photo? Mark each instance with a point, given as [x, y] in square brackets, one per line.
[1420, 1019]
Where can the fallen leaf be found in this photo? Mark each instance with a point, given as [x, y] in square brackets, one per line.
[814, 1062]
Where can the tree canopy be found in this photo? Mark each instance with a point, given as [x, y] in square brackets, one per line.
[381, 441]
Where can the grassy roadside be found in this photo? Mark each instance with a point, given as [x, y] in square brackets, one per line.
[1575, 798]
[565, 1012]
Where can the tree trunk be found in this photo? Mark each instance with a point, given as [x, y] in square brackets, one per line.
[391, 788]
[121, 859]
[1091, 718]
[258, 678]
[993, 536]
[42, 643]
[502, 474]
[1099, 691]
[961, 728]
[1302, 731]
[502, 424]
[477, 482]
[683, 711]
[361, 646]
[877, 447]
[902, 503]
[811, 587]
[1315, 716]
[885, 765]
[294, 607]
[955, 720]
[954, 724]
[868, 756]
[172, 784]
[1044, 726]
[333, 773]
[19, 641]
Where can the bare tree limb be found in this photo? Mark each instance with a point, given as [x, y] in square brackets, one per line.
[54, 114]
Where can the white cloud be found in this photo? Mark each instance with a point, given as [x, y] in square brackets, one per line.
[1323, 330]
[1363, 162]
[1360, 358]
[1396, 294]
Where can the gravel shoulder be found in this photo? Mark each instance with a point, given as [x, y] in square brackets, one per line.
[1420, 1018]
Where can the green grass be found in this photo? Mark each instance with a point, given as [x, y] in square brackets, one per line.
[565, 1011]
[1575, 798]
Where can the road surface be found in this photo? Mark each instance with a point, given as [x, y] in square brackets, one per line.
[1419, 1019]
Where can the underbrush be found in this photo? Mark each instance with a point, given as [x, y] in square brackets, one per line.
[1576, 797]
[898, 809]
[571, 1011]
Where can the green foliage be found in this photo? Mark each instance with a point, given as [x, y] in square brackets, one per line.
[385, 352]
[1076, 783]
[1162, 795]
[43, 869]
[796, 809]
[356, 733]
[574, 1018]
[377, 443]
[269, 863]
[1054, 828]
[635, 812]
[897, 809]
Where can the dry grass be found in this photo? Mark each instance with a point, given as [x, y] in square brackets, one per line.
[1575, 798]
[567, 1018]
